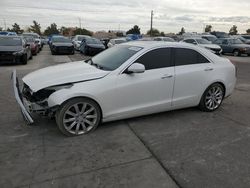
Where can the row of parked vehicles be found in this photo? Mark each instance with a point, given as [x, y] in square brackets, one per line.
[236, 45]
[19, 49]
[217, 42]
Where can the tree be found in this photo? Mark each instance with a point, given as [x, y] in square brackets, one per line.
[52, 29]
[162, 34]
[233, 30]
[1, 28]
[155, 32]
[208, 28]
[36, 28]
[248, 31]
[182, 31]
[15, 28]
[119, 34]
[64, 30]
[134, 30]
[82, 31]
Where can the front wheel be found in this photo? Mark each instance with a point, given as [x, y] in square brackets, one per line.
[78, 116]
[212, 98]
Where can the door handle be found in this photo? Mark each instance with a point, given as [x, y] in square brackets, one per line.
[208, 69]
[166, 76]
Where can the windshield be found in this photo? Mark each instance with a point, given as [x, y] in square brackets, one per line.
[61, 39]
[114, 57]
[29, 39]
[203, 41]
[10, 41]
[235, 41]
[93, 41]
[31, 35]
[246, 37]
[80, 38]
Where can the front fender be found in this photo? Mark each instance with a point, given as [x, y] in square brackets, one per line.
[60, 96]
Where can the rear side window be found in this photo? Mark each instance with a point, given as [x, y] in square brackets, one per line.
[188, 57]
[155, 59]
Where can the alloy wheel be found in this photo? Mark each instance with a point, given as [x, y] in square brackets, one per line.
[214, 97]
[80, 118]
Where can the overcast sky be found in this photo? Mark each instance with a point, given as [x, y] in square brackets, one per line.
[96, 15]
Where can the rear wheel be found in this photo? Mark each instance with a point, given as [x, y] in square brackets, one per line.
[78, 116]
[212, 98]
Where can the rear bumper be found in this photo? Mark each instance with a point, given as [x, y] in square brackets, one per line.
[19, 99]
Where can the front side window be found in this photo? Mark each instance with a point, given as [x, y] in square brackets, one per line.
[188, 57]
[155, 59]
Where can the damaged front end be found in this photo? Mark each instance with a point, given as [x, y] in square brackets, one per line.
[35, 102]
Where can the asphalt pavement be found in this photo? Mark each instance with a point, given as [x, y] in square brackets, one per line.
[185, 148]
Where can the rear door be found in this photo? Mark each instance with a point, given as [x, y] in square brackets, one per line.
[192, 74]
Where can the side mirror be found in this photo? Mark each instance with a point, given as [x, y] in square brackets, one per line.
[136, 68]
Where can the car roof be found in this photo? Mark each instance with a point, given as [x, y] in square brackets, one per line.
[153, 44]
[10, 36]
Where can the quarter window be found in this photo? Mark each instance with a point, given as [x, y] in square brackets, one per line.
[188, 57]
[155, 59]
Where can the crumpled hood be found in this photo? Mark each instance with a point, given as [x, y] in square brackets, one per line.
[62, 74]
[210, 46]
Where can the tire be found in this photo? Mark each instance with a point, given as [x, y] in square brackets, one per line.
[53, 53]
[236, 53]
[24, 59]
[212, 98]
[68, 118]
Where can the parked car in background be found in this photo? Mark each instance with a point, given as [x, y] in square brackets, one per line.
[105, 42]
[7, 33]
[33, 45]
[91, 46]
[13, 49]
[246, 37]
[246, 41]
[166, 39]
[210, 38]
[77, 40]
[219, 34]
[51, 36]
[114, 42]
[126, 81]
[205, 44]
[234, 46]
[61, 45]
[36, 37]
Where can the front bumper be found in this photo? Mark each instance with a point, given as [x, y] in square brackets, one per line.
[19, 99]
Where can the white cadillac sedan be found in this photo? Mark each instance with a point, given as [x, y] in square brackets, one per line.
[128, 80]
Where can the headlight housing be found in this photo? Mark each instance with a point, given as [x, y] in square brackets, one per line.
[43, 94]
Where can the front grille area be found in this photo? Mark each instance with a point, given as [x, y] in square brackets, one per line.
[7, 57]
